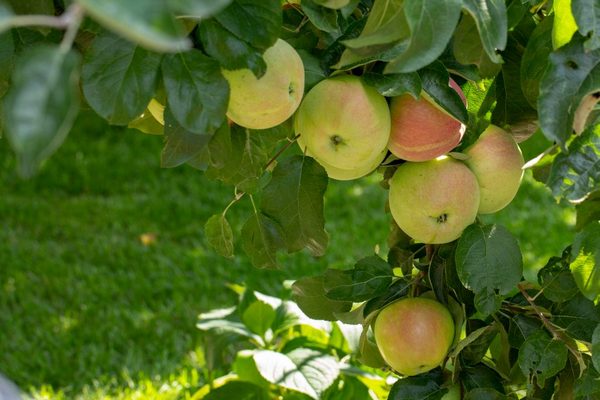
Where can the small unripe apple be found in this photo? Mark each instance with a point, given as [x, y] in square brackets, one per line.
[343, 123]
[434, 201]
[497, 162]
[414, 334]
[421, 129]
[267, 102]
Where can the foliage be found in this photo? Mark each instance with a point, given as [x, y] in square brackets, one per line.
[522, 64]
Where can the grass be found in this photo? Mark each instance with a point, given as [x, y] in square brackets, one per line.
[104, 265]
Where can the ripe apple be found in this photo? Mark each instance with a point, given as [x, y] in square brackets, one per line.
[414, 334]
[344, 124]
[267, 102]
[497, 162]
[421, 129]
[434, 201]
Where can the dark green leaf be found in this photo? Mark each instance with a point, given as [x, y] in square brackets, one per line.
[578, 316]
[435, 82]
[222, 326]
[309, 293]
[585, 261]
[428, 36]
[490, 17]
[587, 16]
[393, 85]
[535, 60]
[258, 317]
[313, 71]
[426, 386]
[198, 9]
[520, 328]
[476, 349]
[325, 19]
[261, 239]
[7, 60]
[542, 357]
[149, 23]
[596, 347]
[485, 394]
[468, 49]
[561, 88]
[219, 235]
[369, 277]
[257, 23]
[556, 280]
[181, 145]
[294, 199]
[238, 390]
[588, 210]
[587, 387]
[197, 92]
[41, 105]
[6, 14]
[119, 78]
[480, 376]
[576, 173]
[488, 261]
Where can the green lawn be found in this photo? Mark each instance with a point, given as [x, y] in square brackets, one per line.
[90, 311]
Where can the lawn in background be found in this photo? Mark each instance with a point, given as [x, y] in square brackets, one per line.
[104, 265]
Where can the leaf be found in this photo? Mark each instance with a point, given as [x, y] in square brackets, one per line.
[119, 78]
[561, 87]
[6, 14]
[435, 80]
[303, 370]
[588, 386]
[480, 376]
[535, 60]
[542, 357]
[485, 394]
[198, 9]
[313, 71]
[7, 60]
[257, 23]
[258, 317]
[197, 92]
[491, 20]
[181, 145]
[219, 235]
[488, 260]
[585, 261]
[41, 105]
[325, 19]
[426, 386]
[369, 277]
[587, 16]
[588, 211]
[309, 294]
[564, 23]
[468, 49]
[596, 347]
[556, 280]
[294, 199]
[261, 239]
[238, 390]
[149, 23]
[474, 346]
[578, 316]
[576, 173]
[393, 85]
[428, 35]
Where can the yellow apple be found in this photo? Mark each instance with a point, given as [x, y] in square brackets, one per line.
[414, 334]
[434, 201]
[497, 162]
[267, 102]
[344, 124]
[421, 129]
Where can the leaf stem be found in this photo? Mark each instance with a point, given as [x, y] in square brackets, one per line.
[236, 198]
[74, 17]
[284, 148]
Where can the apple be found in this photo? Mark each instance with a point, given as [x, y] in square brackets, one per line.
[421, 129]
[414, 334]
[497, 162]
[267, 102]
[434, 201]
[344, 124]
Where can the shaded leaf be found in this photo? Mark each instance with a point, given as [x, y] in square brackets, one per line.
[485, 394]
[369, 277]
[198, 9]
[596, 347]
[542, 357]
[435, 80]
[588, 386]
[588, 210]
[181, 145]
[309, 294]
[325, 19]
[261, 239]
[468, 49]
[392, 85]
[426, 386]
[219, 235]
[535, 60]
[491, 20]
[587, 16]
[585, 261]
[556, 280]
[238, 390]
[578, 316]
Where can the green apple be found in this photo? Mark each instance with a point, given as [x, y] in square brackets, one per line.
[414, 334]
[267, 102]
[434, 201]
[497, 162]
[421, 129]
[343, 123]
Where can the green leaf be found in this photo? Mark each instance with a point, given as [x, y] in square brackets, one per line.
[542, 357]
[468, 49]
[488, 260]
[261, 239]
[149, 23]
[596, 347]
[564, 23]
[238, 390]
[258, 317]
[535, 60]
[576, 173]
[221, 325]
[426, 386]
[313, 70]
[369, 277]
[475, 345]
[197, 92]
[587, 16]
[480, 376]
[578, 316]
[435, 80]
[325, 19]
[303, 370]
[6, 14]
[428, 36]
[588, 211]
[585, 261]
[257, 23]
[485, 394]
[564, 85]
[490, 17]
[393, 85]
[119, 78]
[181, 145]
[41, 105]
[556, 280]
[587, 387]
[294, 199]
[7, 60]
[309, 294]
[520, 328]
[198, 9]
[219, 235]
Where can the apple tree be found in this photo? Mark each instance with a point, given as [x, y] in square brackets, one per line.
[281, 98]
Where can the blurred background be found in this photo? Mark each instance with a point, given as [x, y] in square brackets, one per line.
[104, 265]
